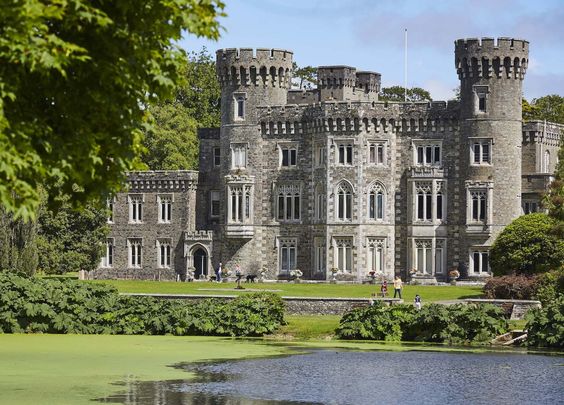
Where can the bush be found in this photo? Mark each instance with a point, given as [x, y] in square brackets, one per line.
[510, 287]
[433, 323]
[545, 326]
[69, 306]
[549, 286]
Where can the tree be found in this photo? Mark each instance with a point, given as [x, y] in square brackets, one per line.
[18, 247]
[75, 79]
[306, 77]
[550, 108]
[527, 246]
[171, 141]
[396, 93]
[554, 198]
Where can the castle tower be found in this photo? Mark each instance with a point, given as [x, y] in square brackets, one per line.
[491, 75]
[248, 79]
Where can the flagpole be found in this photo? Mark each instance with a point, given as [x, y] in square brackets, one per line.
[405, 69]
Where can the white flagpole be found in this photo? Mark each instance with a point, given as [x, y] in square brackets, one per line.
[405, 69]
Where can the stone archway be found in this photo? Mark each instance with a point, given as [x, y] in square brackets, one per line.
[200, 260]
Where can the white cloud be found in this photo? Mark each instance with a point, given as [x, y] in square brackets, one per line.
[439, 90]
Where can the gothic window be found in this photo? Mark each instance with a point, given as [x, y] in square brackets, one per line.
[428, 153]
[320, 203]
[287, 250]
[429, 256]
[479, 261]
[216, 156]
[344, 201]
[320, 154]
[345, 153]
[481, 152]
[376, 202]
[288, 156]
[320, 255]
[214, 203]
[288, 204]
[377, 153]
[479, 205]
[135, 252]
[238, 156]
[165, 208]
[164, 253]
[344, 260]
[546, 162]
[429, 201]
[239, 209]
[375, 259]
[108, 258]
[135, 208]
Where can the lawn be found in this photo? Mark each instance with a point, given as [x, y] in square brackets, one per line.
[427, 293]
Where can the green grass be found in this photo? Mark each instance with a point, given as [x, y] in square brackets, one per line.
[308, 327]
[428, 293]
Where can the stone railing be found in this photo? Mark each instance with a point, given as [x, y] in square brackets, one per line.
[515, 309]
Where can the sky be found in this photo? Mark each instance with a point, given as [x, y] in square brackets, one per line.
[369, 35]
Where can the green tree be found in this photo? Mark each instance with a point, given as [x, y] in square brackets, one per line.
[305, 77]
[171, 141]
[396, 93]
[550, 108]
[527, 246]
[554, 198]
[18, 247]
[75, 79]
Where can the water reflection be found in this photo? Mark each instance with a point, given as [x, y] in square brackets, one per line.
[347, 377]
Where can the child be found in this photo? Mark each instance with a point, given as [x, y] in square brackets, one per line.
[384, 289]
[417, 302]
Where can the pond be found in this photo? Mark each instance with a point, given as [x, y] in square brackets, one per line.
[362, 377]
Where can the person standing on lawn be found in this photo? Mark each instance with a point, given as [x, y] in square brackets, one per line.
[398, 285]
[417, 302]
[384, 289]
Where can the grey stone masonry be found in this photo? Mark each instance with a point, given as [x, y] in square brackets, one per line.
[331, 179]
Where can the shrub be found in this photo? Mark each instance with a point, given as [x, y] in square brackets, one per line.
[549, 286]
[545, 326]
[69, 306]
[510, 287]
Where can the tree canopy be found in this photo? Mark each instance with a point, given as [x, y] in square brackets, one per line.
[527, 246]
[396, 93]
[304, 77]
[75, 79]
[550, 108]
[171, 141]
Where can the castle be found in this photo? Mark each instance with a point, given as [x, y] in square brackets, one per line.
[332, 178]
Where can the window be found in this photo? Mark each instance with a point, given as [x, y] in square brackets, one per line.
[482, 102]
[287, 254]
[240, 107]
[288, 205]
[429, 201]
[320, 203]
[288, 156]
[345, 151]
[481, 152]
[165, 208]
[375, 259]
[344, 201]
[239, 203]
[320, 155]
[377, 153]
[344, 254]
[110, 208]
[546, 162]
[376, 202]
[530, 207]
[239, 156]
[163, 253]
[214, 203]
[108, 258]
[320, 258]
[481, 98]
[135, 252]
[428, 154]
[479, 261]
[135, 208]
[429, 256]
[216, 156]
[479, 205]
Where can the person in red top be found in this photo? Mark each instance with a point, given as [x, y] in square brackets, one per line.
[384, 289]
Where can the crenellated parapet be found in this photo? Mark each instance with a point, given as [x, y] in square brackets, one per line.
[504, 58]
[162, 180]
[237, 67]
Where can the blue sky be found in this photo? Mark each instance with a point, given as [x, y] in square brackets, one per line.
[369, 34]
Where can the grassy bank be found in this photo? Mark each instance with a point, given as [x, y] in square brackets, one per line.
[428, 293]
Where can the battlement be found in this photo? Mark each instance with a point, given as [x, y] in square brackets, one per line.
[248, 67]
[162, 180]
[489, 58]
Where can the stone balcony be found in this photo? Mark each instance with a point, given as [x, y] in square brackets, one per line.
[239, 231]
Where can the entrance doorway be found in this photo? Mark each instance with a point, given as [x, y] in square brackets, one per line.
[200, 263]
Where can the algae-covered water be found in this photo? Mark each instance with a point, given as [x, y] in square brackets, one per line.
[80, 369]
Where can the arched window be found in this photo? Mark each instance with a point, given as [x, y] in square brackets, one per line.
[376, 202]
[344, 201]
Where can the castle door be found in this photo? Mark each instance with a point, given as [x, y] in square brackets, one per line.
[200, 263]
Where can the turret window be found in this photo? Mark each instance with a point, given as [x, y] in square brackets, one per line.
[481, 151]
[481, 98]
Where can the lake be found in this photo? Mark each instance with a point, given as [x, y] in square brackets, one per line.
[362, 377]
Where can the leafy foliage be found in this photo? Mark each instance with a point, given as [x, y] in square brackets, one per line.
[305, 77]
[396, 93]
[527, 246]
[550, 108]
[69, 306]
[510, 287]
[433, 323]
[18, 248]
[545, 327]
[549, 286]
[554, 198]
[75, 77]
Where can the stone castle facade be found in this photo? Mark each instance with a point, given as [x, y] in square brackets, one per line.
[332, 178]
